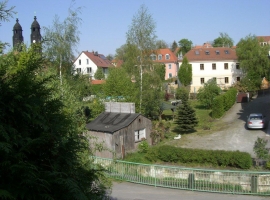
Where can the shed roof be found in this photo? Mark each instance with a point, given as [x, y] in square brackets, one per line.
[111, 122]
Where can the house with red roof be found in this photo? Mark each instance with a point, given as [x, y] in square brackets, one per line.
[88, 63]
[169, 59]
[264, 40]
[220, 63]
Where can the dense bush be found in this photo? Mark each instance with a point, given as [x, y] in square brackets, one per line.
[167, 153]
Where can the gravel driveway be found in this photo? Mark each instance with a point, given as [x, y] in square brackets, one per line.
[235, 136]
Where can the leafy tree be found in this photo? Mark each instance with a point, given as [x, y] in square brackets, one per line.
[141, 42]
[118, 85]
[253, 59]
[99, 74]
[186, 119]
[180, 93]
[43, 152]
[185, 45]
[61, 40]
[160, 69]
[109, 57]
[208, 92]
[5, 14]
[161, 44]
[185, 73]
[121, 52]
[174, 46]
[224, 40]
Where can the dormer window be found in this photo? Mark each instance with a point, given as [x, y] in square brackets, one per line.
[217, 52]
[167, 56]
[207, 52]
[226, 51]
[197, 52]
[153, 57]
[159, 57]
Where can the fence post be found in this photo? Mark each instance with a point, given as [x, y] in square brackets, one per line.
[191, 181]
[254, 184]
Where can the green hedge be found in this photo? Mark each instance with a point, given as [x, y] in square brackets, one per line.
[167, 153]
[223, 102]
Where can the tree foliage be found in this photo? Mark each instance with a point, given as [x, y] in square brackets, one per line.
[61, 40]
[208, 92]
[185, 73]
[185, 45]
[160, 69]
[161, 44]
[224, 40]
[99, 74]
[43, 152]
[5, 14]
[174, 46]
[186, 119]
[254, 60]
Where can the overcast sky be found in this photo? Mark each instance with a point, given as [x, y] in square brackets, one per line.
[106, 22]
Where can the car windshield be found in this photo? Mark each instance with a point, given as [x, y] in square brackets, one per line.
[256, 117]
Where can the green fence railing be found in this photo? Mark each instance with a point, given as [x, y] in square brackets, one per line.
[222, 181]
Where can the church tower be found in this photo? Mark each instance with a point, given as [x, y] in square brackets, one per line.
[17, 34]
[35, 32]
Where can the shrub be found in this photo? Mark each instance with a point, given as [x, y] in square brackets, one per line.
[143, 146]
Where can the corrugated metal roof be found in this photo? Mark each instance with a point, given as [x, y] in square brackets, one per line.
[111, 122]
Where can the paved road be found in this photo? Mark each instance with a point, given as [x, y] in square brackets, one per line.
[131, 191]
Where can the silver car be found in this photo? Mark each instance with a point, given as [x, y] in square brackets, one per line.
[256, 121]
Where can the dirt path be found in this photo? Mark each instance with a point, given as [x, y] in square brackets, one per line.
[234, 136]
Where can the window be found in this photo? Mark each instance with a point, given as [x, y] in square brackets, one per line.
[170, 75]
[217, 52]
[153, 57]
[226, 51]
[238, 78]
[213, 66]
[87, 61]
[202, 80]
[207, 52]
[201, 66]
[139, 135]
[79, 70]
[80, 62]
[159, 57]
[237, 66]
[226, 79]
[225, 65]
[89, 70]
[170, 66]
[197, 52]
[167, 57]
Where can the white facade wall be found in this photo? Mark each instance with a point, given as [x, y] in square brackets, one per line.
[81, 63]
[224, 77]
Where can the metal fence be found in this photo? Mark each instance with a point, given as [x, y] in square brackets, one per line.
[222, 181]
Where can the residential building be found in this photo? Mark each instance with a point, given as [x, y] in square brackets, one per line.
[219, 63]
[264, 40]
[119, 129]
[169, 59]
[88, 62]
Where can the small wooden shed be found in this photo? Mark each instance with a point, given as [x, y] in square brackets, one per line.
[119, 129]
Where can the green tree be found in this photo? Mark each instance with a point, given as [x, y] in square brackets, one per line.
[185, 45]
[160, 69]
[185, 73]
[118, 85]
[208, 92]
[5, 14]
[109, 57]
[99, 74]
[260, 148]
[174, 46]
[186, 119]
[161, 44]
[253, 59]
[224, 40]
[141, 43]
[43, 152]
[61, 40]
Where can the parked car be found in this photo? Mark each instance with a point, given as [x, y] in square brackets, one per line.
[256, 121]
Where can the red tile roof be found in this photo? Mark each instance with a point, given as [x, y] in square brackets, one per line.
[215, 53]
[99, 59]
[163, 52]
[264, 38]
[117, 62]
[97, 82]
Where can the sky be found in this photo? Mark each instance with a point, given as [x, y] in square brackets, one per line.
[106, 22]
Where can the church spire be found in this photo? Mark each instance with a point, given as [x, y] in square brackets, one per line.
[17, 34]
[35, 32]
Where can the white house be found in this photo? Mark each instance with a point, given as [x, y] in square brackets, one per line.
[88, 63]
[213, 62]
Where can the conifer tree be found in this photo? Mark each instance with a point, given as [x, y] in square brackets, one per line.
[186, 119]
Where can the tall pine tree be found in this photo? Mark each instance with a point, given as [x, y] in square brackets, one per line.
[186, 119]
